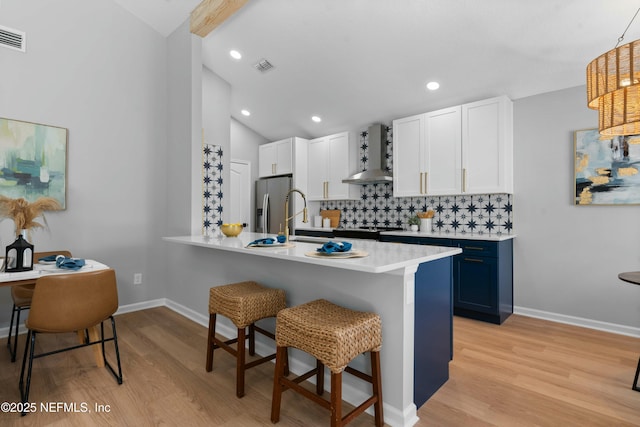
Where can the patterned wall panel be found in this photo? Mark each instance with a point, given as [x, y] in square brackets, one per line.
[212, 193]
[477, 214]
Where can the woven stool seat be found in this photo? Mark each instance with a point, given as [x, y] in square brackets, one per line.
[246, 302]
[332, 334]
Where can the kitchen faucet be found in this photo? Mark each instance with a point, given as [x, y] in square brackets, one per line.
[286, 212]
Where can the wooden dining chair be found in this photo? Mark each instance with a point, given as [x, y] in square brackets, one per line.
[64, 303]
[21, 296]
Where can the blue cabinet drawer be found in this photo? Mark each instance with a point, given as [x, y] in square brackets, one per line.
[416, 240]
[478, 248]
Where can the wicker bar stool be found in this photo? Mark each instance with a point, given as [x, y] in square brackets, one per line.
[334, 335]
[243, 303]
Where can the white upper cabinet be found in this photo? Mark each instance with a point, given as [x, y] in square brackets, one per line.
[331, 159]
[408, 156]
[442, 172]
[275, 158]
[487, 144]
[427, 154]
[457, 150]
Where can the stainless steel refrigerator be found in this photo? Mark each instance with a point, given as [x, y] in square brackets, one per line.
[270, 195]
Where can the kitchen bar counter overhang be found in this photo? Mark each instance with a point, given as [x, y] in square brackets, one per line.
[409, 286]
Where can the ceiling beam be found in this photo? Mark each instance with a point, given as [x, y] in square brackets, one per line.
[211, 13]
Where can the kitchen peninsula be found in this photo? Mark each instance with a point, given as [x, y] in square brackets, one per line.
[409, 286]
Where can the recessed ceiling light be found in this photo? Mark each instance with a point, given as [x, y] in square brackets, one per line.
[245, 112]
[433, 85]
[316, 119]
[235, 54]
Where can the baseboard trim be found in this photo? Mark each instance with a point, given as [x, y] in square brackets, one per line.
[578, 321]
[224, 330]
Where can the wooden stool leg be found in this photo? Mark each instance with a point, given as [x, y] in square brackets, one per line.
[210, 342]
[336, 399]
[635, 380]
[276, 399]
[377, 387]
[240, 354]
[286, 361]
[252, 340]
[319, 378]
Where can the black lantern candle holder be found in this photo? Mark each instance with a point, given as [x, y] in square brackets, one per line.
[19, 256]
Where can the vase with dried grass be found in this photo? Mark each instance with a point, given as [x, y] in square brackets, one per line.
[24, 215]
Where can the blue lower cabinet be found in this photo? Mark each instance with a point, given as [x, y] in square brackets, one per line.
[483, 280]
[433, 334]
[482, 276]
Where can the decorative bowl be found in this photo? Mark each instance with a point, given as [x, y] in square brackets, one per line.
[231, 230]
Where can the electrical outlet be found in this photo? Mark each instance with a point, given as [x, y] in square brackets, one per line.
[137, 279]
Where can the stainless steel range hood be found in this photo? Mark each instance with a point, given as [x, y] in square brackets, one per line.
[377, 159]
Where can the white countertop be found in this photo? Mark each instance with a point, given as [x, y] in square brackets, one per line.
[383, 257]
[445, 235]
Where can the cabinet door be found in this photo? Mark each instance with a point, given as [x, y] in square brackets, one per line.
[337, 165]
[444, 155]
[266, 160]
[487, 146]
[408, 156]
[476, 283]
[317, 169]
[284, 154]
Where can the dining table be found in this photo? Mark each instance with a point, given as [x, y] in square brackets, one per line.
[42, 269]
[632, 277]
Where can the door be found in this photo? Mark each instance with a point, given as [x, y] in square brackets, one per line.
[443, 135]
[408, 141]
[476, 283]
[338, 166]
[284, 161]
[487, 146]
[261, 210]
[240, 193]
[266, 160]
[277, 189]
[317, 169]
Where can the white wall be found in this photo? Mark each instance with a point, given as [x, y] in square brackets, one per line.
[566, 257]
[244, 145]
[108, 88]
[216, 104]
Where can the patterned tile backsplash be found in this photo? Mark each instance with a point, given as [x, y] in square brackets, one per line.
[212, 194]
[476, 214]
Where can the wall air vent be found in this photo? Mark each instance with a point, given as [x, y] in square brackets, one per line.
[13, 39]
[263, 65]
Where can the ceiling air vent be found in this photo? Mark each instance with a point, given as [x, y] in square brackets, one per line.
[263, 65]
[13, 39]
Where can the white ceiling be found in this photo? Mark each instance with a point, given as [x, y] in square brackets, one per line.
[358, 62]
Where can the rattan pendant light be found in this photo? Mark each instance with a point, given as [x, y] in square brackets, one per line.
[613, 88]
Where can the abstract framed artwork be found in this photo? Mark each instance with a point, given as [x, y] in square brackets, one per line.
[33, 161]
[606, 170]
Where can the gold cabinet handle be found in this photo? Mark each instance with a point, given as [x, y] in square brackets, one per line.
[464, 180]
[426, 183]
[421, 182]
[326, 189]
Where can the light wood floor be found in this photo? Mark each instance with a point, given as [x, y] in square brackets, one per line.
[526, 372]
